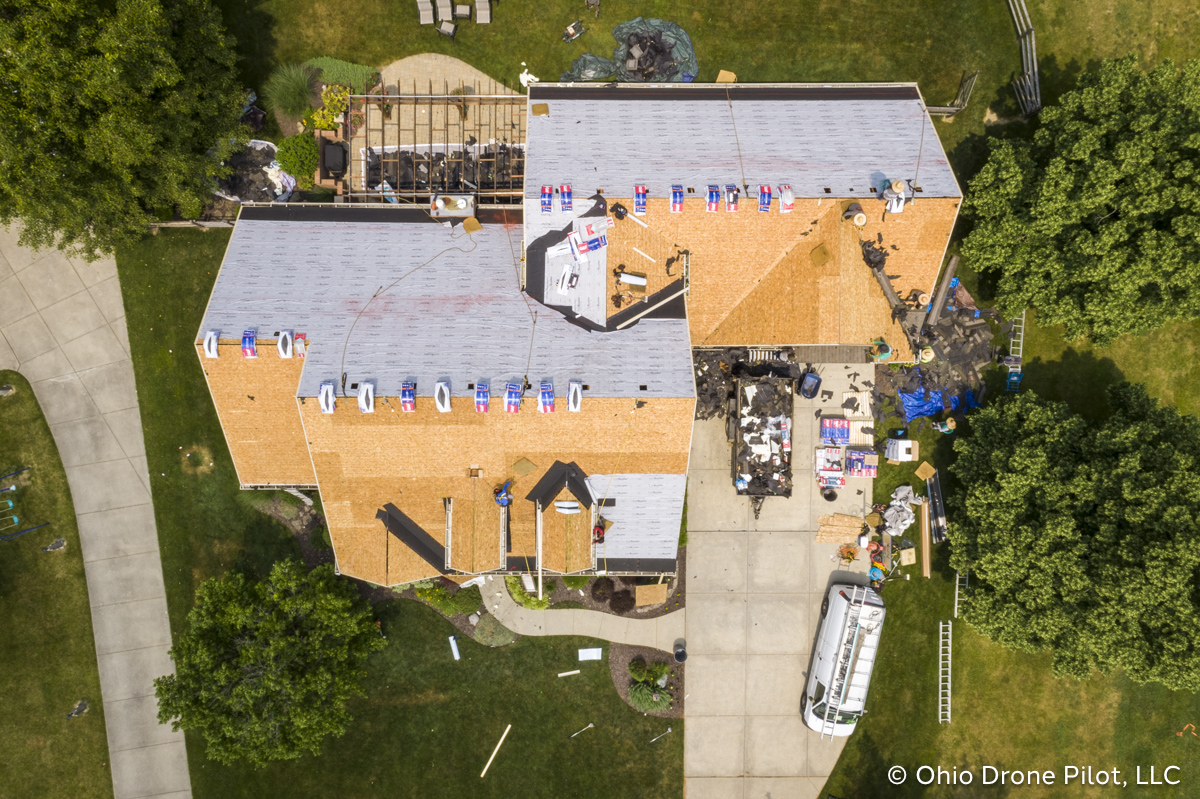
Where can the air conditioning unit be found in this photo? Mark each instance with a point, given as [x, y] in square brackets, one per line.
[452, 206]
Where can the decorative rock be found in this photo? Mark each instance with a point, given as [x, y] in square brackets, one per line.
[473, 618]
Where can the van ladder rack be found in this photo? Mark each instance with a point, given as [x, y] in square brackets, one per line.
[841, 679]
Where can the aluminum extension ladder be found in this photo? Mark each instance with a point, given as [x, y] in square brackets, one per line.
[1016, 348]
[944, 641]
[960, 586]
[850, 637]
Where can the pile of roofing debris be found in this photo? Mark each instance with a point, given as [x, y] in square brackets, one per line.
[406, 171]
[648, 50]
[718, 369]
[951, 329]
[256, 176]
[763, 447]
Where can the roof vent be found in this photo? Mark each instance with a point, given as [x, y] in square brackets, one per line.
[285, 344]
[566, 506]
[210, 343]
[441, 396]
[325, 397]
[574, 395]
[366, 396]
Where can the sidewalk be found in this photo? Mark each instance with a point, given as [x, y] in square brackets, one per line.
[62, 326]
[660, 633]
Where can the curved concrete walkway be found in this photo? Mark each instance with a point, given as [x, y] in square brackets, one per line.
[62, 325]
[660, 633]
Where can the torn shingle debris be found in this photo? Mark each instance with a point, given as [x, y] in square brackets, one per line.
[762, 450]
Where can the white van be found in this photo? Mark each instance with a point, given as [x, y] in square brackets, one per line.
[842, 659]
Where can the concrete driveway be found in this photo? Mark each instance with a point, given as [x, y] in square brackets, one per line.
[754, 596]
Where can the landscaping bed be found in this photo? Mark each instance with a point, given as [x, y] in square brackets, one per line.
[619, 658]
[569, 592]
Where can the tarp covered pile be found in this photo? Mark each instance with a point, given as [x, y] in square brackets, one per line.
[648, 51]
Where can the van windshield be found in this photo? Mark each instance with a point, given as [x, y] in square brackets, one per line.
[843, 717]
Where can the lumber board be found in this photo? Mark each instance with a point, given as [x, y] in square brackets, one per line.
[926, 543]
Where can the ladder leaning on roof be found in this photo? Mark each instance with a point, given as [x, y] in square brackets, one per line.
[851, 635]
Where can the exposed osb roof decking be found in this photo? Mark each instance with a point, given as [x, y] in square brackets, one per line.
[752, 278]
[255, 400]
[414, 460]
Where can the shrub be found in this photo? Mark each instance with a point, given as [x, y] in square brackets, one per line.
[577, 581]
[648, 698]
[638, 670]
[319, 538]
[526, 599]
[291, 89]
[335, 100]
[333, 70]
[622, 602]
[298, 157]
[602, 589]
[491, 632]
[438, 597]
[657, 670]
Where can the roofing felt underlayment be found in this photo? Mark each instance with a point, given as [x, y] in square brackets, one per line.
[423, 302]
[844, 141]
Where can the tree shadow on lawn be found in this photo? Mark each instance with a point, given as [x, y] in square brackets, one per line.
[1077, 378]
[254, 29]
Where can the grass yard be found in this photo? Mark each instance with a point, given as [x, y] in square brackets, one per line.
[429, 724]
[47, 652]
[425, 720]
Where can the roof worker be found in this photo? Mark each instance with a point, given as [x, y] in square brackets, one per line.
[882, 352]
[946, 427]
[503, 494]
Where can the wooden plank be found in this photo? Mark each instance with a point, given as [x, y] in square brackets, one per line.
[926, 544]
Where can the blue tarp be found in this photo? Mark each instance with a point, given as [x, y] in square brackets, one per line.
[919, 403]
[967, 402]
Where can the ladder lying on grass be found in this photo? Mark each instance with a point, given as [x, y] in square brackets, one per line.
[1016, 348]
[944, 672]
[851, 634]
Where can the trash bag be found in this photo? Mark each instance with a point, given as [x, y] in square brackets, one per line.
[589, 67]
[664, 52]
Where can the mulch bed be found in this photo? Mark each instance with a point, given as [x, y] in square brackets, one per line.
[675, 594]
[619, 656]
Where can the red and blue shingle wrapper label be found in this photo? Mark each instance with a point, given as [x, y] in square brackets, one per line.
[835, 431]
[564, 197]
[714, 199]
[639, 200]
[408, 396]
[482, 397]
[677, 199]
[546, 398]
[512, 398]
[764, 198]
[547, 199]
[249, 347]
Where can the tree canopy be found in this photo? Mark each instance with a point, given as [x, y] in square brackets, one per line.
[111, 113]
[1096, 221]
[264, 669]
[1083, 538]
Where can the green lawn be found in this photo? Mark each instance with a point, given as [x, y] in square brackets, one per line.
[429, 724]
[47, 653]
[426, 720]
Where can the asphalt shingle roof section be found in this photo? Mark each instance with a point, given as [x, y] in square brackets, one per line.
[455, 313]
[847, 139]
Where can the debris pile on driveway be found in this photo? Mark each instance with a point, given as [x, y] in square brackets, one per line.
[717, 371]
[763, 447]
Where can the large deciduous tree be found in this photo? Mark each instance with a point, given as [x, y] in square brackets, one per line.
[1096, 221]
[1083, 538]
[111, 112]
[265, 668]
